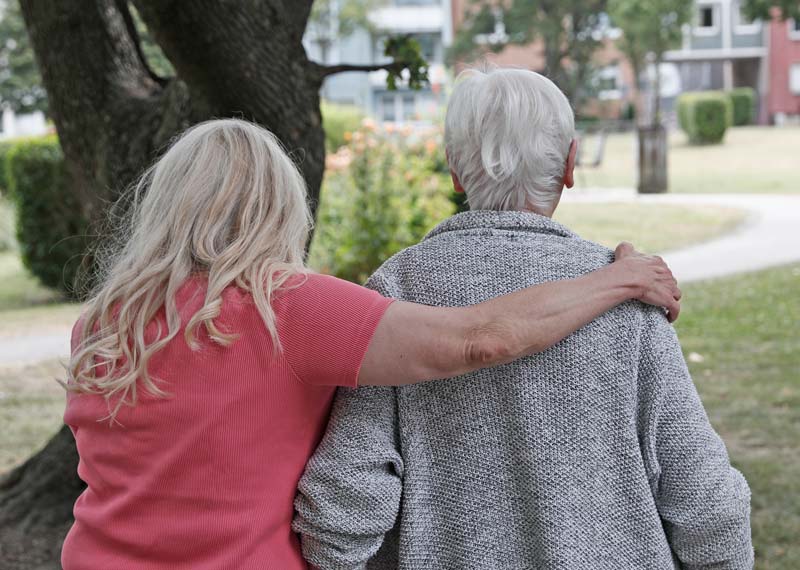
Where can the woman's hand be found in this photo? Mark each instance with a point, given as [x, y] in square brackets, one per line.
[653, 277]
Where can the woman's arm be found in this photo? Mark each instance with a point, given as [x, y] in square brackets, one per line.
[415, 343]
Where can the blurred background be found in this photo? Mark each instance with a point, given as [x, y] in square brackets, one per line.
[688, 119]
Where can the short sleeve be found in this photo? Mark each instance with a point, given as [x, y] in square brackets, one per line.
[325, 326]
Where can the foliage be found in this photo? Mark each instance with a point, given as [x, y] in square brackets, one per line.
[51, 227]
[649, 28]
[382, 194]
[743, 100]
[153, 55]
[20, 84]
[705, 116]
[5, 147]
[762, 8]
[571, 31]
[340, 122]
[407, 54]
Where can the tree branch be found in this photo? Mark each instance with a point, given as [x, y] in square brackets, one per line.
[133, 33]
[326, 70]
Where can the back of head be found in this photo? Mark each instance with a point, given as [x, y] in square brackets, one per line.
[507, 134]
[225, 202]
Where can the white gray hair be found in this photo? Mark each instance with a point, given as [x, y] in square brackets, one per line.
[507, 135]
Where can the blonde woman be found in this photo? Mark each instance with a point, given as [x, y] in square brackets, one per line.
[203, 368]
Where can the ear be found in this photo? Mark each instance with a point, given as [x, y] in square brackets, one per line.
[457, 187]
[569, 167]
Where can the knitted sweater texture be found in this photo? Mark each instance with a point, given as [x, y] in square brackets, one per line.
[595, 454]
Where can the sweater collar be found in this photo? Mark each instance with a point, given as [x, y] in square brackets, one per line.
[501, 220]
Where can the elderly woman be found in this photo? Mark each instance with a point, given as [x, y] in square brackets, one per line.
[594, 454]
[203, 369]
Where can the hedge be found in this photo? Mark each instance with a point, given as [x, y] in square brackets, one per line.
[743, 100]
[705, 116]
[51, 227]
[5, 147]
[339, 121]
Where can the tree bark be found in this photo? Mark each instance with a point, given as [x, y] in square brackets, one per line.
[113, 115]
[652, 154]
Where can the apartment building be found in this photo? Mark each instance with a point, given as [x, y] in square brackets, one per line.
[722, 49]
[428, 21]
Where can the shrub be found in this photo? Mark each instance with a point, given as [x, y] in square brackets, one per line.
[381, 194]
[5, 147]
[339, 122]
[51, 227]
[705, 116]
[743, 100]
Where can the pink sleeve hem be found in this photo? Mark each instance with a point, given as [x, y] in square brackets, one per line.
[370, 323]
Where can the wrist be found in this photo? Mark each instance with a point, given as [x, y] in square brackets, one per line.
[624, 281]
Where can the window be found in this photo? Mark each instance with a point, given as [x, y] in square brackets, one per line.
[409, 110]
[607, 82]
[387, 108]
[706, 19]
[794, 29]
[794, 78]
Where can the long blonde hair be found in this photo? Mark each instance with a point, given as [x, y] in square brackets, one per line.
[224, 201]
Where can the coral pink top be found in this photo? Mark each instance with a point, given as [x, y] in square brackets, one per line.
[205, 479]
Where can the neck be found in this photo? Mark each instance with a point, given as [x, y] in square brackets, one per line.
[546, 213]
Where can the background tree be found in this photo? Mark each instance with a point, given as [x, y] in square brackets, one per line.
[114, 112]
[650, 28]
[762, 8]
[568, 30]
[20, 84]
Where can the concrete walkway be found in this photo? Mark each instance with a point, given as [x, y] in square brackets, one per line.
[771, 236]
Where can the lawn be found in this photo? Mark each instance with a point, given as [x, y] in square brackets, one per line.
[742, 336]
[750, 160]
[31, 408]
[652, 228]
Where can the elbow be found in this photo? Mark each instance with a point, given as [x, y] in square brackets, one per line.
[489, 345]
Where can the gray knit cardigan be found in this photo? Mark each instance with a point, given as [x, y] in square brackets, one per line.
[595, 454]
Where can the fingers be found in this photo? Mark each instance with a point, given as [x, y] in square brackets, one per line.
[673, 310]
[624, 249]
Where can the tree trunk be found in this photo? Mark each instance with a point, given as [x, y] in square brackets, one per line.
[113, 115]
[652, 155]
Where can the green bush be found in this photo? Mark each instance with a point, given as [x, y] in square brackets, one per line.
[381, 194]
[743, 100]
[339, 122]
[51, 227]
[705, 116]
[5, 147]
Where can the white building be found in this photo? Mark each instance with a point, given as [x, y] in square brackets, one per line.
[428, 21]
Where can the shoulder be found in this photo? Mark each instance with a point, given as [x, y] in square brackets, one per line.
[321, 297]
[309, 287]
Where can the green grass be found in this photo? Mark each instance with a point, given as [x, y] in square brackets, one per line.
[651, 228]
[18, 288]
[745, 335]
[749, 160]
[31, 409]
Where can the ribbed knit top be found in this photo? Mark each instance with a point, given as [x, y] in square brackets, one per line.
[205, 478]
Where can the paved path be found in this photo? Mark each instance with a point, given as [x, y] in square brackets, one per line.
[771, 236]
